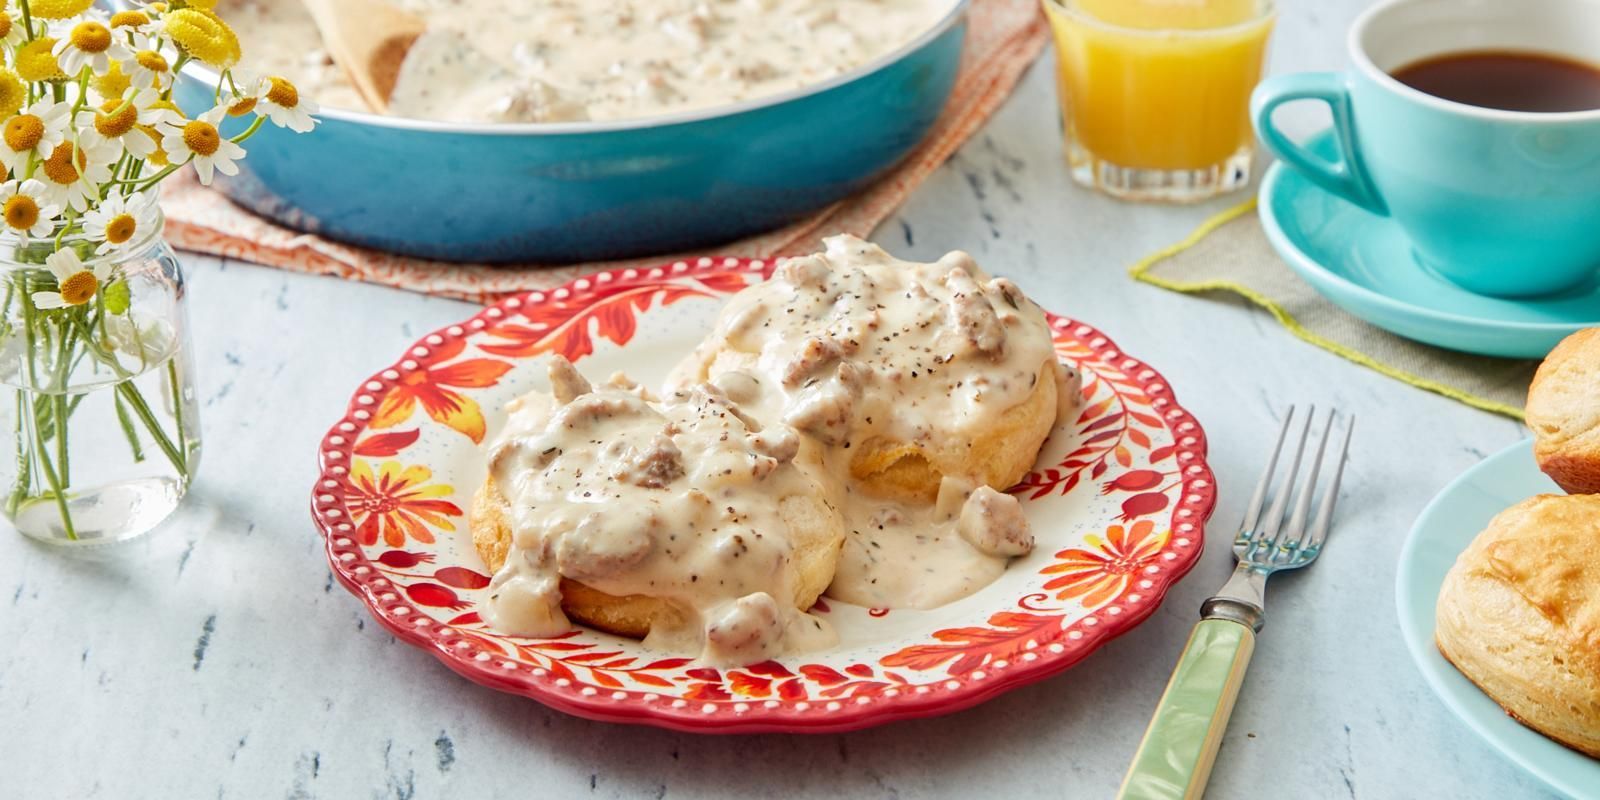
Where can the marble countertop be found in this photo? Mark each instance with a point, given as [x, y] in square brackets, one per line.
[219, 659]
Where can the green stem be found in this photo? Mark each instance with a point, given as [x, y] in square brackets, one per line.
[156, 178]
[127, 427]
[27, 20]
[250, 131]
[58, 403]
[142, 410]
[29, 320]
[55, 484]
[131, 393]
[58, 409]
[177, 404]
[24, 461]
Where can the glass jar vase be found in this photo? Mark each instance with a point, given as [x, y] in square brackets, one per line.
[101, 426]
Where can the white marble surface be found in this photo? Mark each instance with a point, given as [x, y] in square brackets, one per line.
[220, 660]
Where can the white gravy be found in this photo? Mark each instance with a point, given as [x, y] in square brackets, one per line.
[570, 60]
[852, 344]
[680, 499]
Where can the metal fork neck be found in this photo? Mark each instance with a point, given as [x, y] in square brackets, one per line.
[1242, 599]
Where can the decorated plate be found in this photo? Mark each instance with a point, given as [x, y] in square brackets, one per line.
[1118, 503]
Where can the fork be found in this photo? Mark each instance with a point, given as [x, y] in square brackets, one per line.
[1174, 759]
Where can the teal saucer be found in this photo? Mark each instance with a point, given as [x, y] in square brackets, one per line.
[1445, 528]
[1364, 264]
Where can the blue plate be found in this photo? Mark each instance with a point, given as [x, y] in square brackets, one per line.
[1364, 264]
[1446, 527]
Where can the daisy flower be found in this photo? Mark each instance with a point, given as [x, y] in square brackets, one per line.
[281, 102]
[36, 131]
[24, 210]
[36, 61]
[76, 282]
[118, 121]
[198, 140]
[13, 93]
[240, 102]
[11, 31]
[59, 9]
[118, 221]
[131, 21]
[203, 35]
[73, 174]
[88, 43]
[148, 66]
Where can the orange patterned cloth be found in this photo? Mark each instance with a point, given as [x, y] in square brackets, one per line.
[1003, 38]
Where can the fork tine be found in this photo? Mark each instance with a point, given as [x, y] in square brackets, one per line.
[1292, 535]
[1258, 499]
[1319, 531]
[1280, 499]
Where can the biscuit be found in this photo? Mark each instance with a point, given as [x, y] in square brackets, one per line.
[1519, 615]
[1564, 413]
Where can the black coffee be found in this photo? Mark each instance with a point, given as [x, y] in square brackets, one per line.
[1510, 80]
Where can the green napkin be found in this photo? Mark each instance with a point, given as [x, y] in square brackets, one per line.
[1230, 253]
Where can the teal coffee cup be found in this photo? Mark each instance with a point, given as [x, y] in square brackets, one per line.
[1502, 203]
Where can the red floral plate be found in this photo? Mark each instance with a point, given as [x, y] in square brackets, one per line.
[1119, 508]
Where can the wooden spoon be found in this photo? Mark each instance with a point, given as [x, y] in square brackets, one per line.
[368, 39]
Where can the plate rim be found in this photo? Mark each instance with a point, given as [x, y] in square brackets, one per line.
[335, 453]
[1308, 267]
[1420, 647]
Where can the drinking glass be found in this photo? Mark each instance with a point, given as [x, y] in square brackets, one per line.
[1155, 94]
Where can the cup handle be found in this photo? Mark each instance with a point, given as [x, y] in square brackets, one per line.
[1345, 177]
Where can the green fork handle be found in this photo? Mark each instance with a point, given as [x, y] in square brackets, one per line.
[1175, 758]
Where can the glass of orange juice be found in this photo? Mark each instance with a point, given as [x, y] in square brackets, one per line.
[1155, 94]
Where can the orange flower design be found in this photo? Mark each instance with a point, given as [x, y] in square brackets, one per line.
[428, 385]
[1098, 575]
[396, 503]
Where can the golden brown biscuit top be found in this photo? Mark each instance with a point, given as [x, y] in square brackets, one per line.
[1547, 549]
[1564, 400]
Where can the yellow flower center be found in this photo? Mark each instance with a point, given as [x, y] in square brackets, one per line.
[121, 228]
[62, 167]
[58, 9]
[5, 25]
[21, 212]
[201, 138]
[129, 19]
[116, 117]
[79, 288]
[24, 132]
[113, 83]
[203, 35]
[90, 37]
[282, 93]
[12, 93]
[242, 106]
[35, 62]
[151, 60]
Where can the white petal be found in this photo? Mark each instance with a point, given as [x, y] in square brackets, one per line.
[49, 300]
[202, 168]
